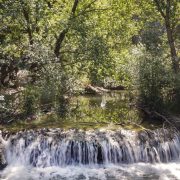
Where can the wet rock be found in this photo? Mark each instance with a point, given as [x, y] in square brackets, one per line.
[3, 162]
[2, 166]
[93, 178]
[59, 147]
[81, 177]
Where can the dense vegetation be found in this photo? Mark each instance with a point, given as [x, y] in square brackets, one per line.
[52, 49]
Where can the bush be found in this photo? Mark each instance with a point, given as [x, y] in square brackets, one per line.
[174, 94]
[47, 94]
[154, 81]
[30, 100]
[62, 96]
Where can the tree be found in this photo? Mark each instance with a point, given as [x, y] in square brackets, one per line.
[169, 12]
[83, 36]
[64, 31]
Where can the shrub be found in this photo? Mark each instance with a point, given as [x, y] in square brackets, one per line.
[154, 81]
[47, 94]
[174, 93]
[30, 100]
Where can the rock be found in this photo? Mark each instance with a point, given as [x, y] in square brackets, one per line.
[2, 166]
[3, 162]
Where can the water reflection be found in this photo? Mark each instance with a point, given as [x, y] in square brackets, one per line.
[103, 102]
[109, 107]
[89, 111]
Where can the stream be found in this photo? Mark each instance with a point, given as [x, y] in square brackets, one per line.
[76, 148]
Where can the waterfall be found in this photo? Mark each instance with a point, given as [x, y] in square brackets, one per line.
[56, 147]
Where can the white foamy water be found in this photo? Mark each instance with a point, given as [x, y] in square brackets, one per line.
[91, 155]
[137, 171]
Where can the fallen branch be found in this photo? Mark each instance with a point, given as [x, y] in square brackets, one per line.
[95, 90]
[164, 118]
[156, 114]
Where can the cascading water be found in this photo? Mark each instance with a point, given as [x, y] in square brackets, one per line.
[101, 154]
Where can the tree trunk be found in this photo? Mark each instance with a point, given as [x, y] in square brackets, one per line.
[174, 57]
[8, 73]
[28, 22]
[171, 41]
[59, 42]
[63, 33]
[166, 14]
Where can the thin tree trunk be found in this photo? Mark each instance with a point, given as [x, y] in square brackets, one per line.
[169, 31]
[27, 18]
[174, 57]
[59, 41]
[166, 14]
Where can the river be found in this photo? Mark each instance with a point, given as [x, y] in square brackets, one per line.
[94, 143]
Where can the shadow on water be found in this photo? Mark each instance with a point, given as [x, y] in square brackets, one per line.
[91, 112]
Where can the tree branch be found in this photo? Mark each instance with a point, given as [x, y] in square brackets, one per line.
[63, 33]
[74, 6]
[157, 3]
[59, 42]
[27, 18]
[84, 10]
[168, 6]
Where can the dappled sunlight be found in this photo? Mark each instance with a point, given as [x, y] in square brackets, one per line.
[89, 90]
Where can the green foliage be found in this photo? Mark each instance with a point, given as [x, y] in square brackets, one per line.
[154, 79]
[62, 106]
[152, 37]
[6, 108]
[30, 100]
[95, 44]
[174, 93]
[159, 86]
[100, 67]
[64, 89]
[93, 34]
[47, 94]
